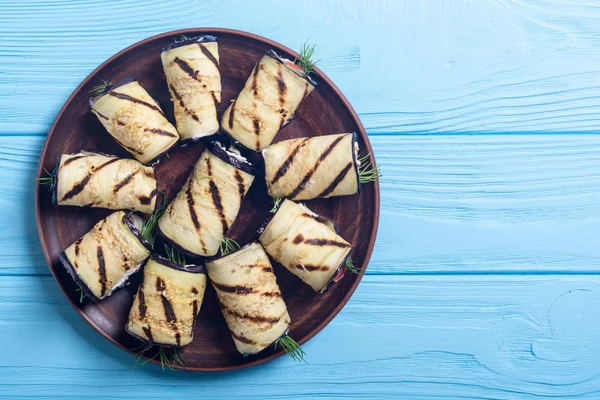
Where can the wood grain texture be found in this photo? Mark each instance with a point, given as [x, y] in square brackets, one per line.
[478, 337]
[520, 207]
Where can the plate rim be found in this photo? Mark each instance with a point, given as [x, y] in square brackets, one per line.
[322, 76]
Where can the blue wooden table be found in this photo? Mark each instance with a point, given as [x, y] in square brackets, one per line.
[484, 282]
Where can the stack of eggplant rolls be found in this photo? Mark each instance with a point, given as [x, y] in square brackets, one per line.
[194, 224]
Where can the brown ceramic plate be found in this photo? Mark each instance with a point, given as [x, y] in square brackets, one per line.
[325, 111]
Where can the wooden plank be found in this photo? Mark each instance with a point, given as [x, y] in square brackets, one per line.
[406, 66]
[459, 337]
[450, 204]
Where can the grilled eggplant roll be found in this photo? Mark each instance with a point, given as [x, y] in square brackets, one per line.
[198, 218]
[104, 181]
[194, 80]
[167, 303]
[104, 258]
[307, 168]
[267, 102]
[135, 120]
[250, 298]
[305, 243]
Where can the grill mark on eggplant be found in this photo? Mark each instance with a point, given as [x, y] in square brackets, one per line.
[146, 200]
[195, 307]
[182, 104]
[298, 239]
[101, 270]
[240, 181]
[336, 181]
[254, 81]
[148, 333]
[100, 114]
[259, 319]
[288, 161]
[256, 124]
[78, 187]
[241, 338]
[209, 55]
[127, 97]
[281, 87]
[271, 294]
[124, 182]
[168, 307]
[267, 269]
[231, 114]
[70, 160]
[160, 132]
[131, 149]
[142, 305]
[310, 173]
[185, 67]
[77, 243]
[311, 268]
[237, 289]
[216, 197]
[325, 242]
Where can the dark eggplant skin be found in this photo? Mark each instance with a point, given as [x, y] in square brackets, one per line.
[192, 268]
[71, 270]
[354, 155]
[221, 153]
[272, 54]
[128, 220]
[195, 39]
[124, 81]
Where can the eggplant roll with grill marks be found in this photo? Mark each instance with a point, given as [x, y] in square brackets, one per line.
[167, 302]
[198, 218]
[194, 80]
[104, 181]
[305, 243]
[307, 168]
[135, 120]
[250, 298]
[105, 257]
[267, 102]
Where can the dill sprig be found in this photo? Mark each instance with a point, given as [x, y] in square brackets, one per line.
[228, 245]
[47, 180]
[182, 38]
[305, 61]
[366, 173]
[167, 356]
[175, 255]
[99, 90]
[350, 266]
[148, 231]
[276, 204]
[82, 295]
[292, 348]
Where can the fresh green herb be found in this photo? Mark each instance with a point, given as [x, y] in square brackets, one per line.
[168, 156]
[167, 356]
[82, 295]
[182, 38]
[46, 180]
[228, 245]
[276, 204]
[292, 348]
[175, 255]
[366, 173]
[148, 231]
[305, 61]
[99, 90]
[350, 266]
